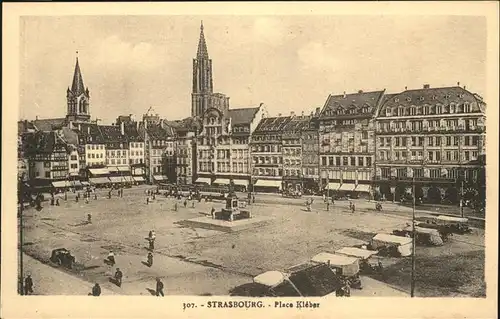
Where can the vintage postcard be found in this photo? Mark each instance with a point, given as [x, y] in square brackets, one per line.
[282, 160]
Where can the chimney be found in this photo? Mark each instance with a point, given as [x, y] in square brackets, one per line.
[360, 91]
[279, 114]
[122, 128]
[302, 114]
[292, 113]
[465, 87]
[458, 83]
[260, 105]
[406, 88]
[427, 86]
[36, 117]
[345, 95]
[88, 130]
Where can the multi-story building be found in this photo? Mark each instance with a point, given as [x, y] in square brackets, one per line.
[136, 147]
[310, 153]
[266, 153]
[347, 150]
[429, 135]
[291, 139]
[159, 139]
[47, 154]
[117, 153]
[186, 151]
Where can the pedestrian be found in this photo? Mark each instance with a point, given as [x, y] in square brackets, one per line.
[95, 196]
[324, 198]
[57, 202]
[118, 277]
[86, 200]
[109, 194]
[212, 212]
[154, 196]
[96, 290]
[150, 259]
[28, 285]
[52, 201]
[185, 203]
[65, 196]
[147, 200]
[159, 287]
[89, 218]
[353, 208]
[111, 258]
[76, 198]
[327, 205]
[175, 206]
[151, 244]
[121, 192]
[253, 198]
[150, 235]
[193, 204]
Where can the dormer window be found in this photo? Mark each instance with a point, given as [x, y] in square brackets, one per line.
[467, 108]
[434, 97]
[447, 96]
[408, 99]
[460, 95]
[421, 98]
[396, 100]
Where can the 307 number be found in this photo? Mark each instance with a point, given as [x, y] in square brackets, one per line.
[188, 305]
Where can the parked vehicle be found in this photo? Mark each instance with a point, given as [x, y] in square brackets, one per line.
[424, 236]
[344, 266]
[62, 257]
[456, 224]
[391, 245]
[310, 281]
[364, 256]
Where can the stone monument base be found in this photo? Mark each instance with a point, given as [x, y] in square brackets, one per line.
[207, 222]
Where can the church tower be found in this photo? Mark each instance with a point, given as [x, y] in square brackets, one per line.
[78, 98]
[202, 79]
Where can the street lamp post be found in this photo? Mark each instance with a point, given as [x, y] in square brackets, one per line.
[413, 242]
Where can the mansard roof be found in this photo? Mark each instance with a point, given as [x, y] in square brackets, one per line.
[89, 133]
[360, 103]
[434, 96]
[272, 124]
[159, 132]
[297, 124]
[112, 133]
[42, 142]
[242, 115]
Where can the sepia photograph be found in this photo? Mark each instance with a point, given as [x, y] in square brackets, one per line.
[255, 160]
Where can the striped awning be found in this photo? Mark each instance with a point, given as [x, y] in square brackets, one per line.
[128, 179]
[203, 180]
[59, 184]
[159, 177]
[139, 179]
[268, 183]
[333, 186]
[123, 168]
[84, 183]
[223, 181]
[347, 187]
[99, 171]
[240, 182]
[76, 183]
[116, 179]
[99, 180]
[363, 188]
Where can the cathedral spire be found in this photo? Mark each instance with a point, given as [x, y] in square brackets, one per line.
[202, 45]
[77, 87]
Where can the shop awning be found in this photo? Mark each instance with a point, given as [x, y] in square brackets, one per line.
[128, 179]
[159, 177]
[123, 168]
[223, 181]
[347, 187]
[59, 184]
[99, 171]
[116, 179]
[333, 186]
[203, 180]
[99, 180]
[73, 174]
[139, 179]
[76, 183]
[268, 183]
[113, 169]
[363, 188]
[240, 182]
[85, 183]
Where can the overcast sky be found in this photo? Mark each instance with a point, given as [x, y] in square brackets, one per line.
[290, 63]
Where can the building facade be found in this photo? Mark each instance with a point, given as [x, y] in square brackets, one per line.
[310, 153]
[266, 152]
[347, 148]
[434, 136]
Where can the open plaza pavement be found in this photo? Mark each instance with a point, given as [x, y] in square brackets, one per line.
[195, 261]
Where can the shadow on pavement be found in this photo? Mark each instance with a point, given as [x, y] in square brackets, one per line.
[151, 291]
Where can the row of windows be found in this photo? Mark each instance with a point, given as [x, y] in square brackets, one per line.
[292, 172]
[292, 162]
[291, 142]
[431, 141]
[349, 175]
[116, 153]
[292, 151]
[268, 171]
[136, 145]
[433, 156]
[310, 171]
[428, 109]
[161, 143]
[267, 160]
[266, 148]
[93, 155]
[342, 111]
[362, 161]
[136, 153]
[432, 173]
[95, 147]
[419, 125]
[266, 138]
